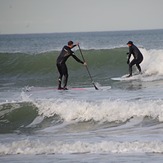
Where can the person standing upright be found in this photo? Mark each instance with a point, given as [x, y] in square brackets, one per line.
[61, 64]
[138, 57]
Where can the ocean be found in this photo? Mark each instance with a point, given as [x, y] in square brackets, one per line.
[122, 121]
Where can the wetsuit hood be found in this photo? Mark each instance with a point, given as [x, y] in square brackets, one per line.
[130, 42]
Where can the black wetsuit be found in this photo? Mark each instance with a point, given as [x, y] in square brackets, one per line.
[138, 58]
[61, 64]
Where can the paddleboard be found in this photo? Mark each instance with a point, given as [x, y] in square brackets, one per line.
[33, 89]
[29, 89]
[126, 78]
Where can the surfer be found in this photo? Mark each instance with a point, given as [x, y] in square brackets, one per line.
[61, 63]
[138, 57]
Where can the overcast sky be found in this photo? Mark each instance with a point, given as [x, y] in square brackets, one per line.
[44, 16]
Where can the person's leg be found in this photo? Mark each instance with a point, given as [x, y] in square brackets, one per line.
[138, 65]
[59, 67]
[65, 73]
[139, 68]
[133, 62]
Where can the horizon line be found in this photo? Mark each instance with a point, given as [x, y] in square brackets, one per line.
[30, 33]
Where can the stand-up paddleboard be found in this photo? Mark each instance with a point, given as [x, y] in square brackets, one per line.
[29, 89]
[126, 78]
[33, 89]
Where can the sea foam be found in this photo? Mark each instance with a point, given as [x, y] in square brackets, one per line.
[101, 111]
[39, 147]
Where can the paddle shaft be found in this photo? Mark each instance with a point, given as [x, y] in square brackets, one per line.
[87, 69]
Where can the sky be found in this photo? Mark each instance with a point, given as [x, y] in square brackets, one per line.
[50, 16]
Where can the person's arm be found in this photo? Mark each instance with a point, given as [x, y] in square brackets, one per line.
[129, 55]
[75, 45]
[77, 59]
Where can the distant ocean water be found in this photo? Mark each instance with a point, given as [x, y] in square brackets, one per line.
[120, 122]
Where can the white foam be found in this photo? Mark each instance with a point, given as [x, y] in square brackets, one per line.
[36, 121]
[105, 110]
[25, 97]
[152, 64]
[39, 147]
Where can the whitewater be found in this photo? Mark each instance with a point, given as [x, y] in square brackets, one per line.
[120, 122]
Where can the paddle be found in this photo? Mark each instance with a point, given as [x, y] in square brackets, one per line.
[87, 69]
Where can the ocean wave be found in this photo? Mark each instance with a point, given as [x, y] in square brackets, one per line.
[15, 115]
[153, 62]
[103, 111]
[39, 70]
[41, 114]
[54, 147]
[45, 61]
